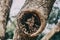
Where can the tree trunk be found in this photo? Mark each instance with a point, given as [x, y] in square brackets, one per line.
[4, 16]
[40, 9]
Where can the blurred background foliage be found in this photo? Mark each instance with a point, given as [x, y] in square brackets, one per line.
[52, 20]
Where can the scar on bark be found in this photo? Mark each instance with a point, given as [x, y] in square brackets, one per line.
[41, 20]
[30, 21]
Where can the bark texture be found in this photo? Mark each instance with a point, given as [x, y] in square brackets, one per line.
[4, 16]
[42, 9]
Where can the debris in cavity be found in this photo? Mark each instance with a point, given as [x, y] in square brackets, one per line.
[29, 23]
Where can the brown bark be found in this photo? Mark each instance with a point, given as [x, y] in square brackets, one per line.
[42, 9]
[4, 15]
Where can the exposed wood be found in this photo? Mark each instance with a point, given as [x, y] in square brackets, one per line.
[4, 15]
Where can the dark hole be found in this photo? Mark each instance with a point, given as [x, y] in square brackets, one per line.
[27, 16]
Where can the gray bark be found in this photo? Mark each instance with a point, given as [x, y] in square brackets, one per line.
[44, 5]
[5, 6]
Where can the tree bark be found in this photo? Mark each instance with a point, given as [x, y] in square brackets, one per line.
[4, 16]
[40, 7]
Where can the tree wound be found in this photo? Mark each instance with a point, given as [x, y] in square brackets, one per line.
[29, 22]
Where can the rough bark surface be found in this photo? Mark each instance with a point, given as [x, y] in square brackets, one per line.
[42, 8]
[4, 15]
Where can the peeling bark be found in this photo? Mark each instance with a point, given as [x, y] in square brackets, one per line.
[42, 8]
[4, 16]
